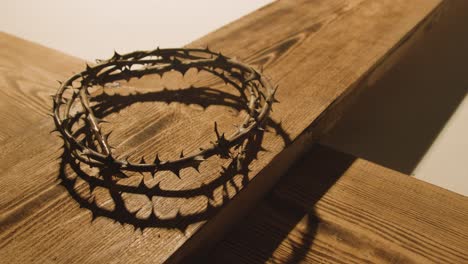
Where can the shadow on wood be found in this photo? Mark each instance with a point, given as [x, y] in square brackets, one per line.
[118, 190]
[272, 222]
[336, 208]
[398, 118]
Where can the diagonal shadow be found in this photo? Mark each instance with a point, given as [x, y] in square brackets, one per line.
[397, 121]
[282, 228]
[75, 177]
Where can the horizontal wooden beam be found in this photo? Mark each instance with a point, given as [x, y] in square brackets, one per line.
[333, 207]
[321, 53]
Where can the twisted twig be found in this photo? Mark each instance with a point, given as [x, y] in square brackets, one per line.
[256, 93]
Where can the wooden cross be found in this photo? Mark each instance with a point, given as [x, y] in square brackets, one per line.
[328, 205]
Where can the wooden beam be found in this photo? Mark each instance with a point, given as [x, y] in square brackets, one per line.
[28, 77]
[322, 53]
[333, 207]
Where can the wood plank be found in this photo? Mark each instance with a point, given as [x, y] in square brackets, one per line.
[335, 208]
[28, 76]
[322, 53]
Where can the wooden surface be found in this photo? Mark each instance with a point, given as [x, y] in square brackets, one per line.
[28, 76]
[320, 52]
[335, 208]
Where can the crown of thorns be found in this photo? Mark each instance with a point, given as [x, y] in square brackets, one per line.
[256, 94]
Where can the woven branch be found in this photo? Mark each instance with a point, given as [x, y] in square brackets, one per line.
[256, 93]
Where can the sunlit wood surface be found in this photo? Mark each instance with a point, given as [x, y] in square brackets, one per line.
[321, 53]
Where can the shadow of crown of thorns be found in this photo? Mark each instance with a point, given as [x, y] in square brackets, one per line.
[256, 94]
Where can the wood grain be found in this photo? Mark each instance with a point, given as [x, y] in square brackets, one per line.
[335, 208]
[28, 77]
[322, 53]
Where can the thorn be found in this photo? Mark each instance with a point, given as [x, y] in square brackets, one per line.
[261, 148]
[225, 197]
[182, 228]
[116, 56]
[134, 215]
[182, 154]
[152, 217]
[274, 93]
[142, 161]
[93, 216]
[92, 186]
[216, 130]
[224, 78]
[223, 169]
[178, 215]
[149, 195]
[62, 183]
[209, 206]
[157, 186]
[153, 172]
[157, 161]
[221, 58]
[196, 166]
[106, 136]
[142, 186]
[183, 69]
[176, 172]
